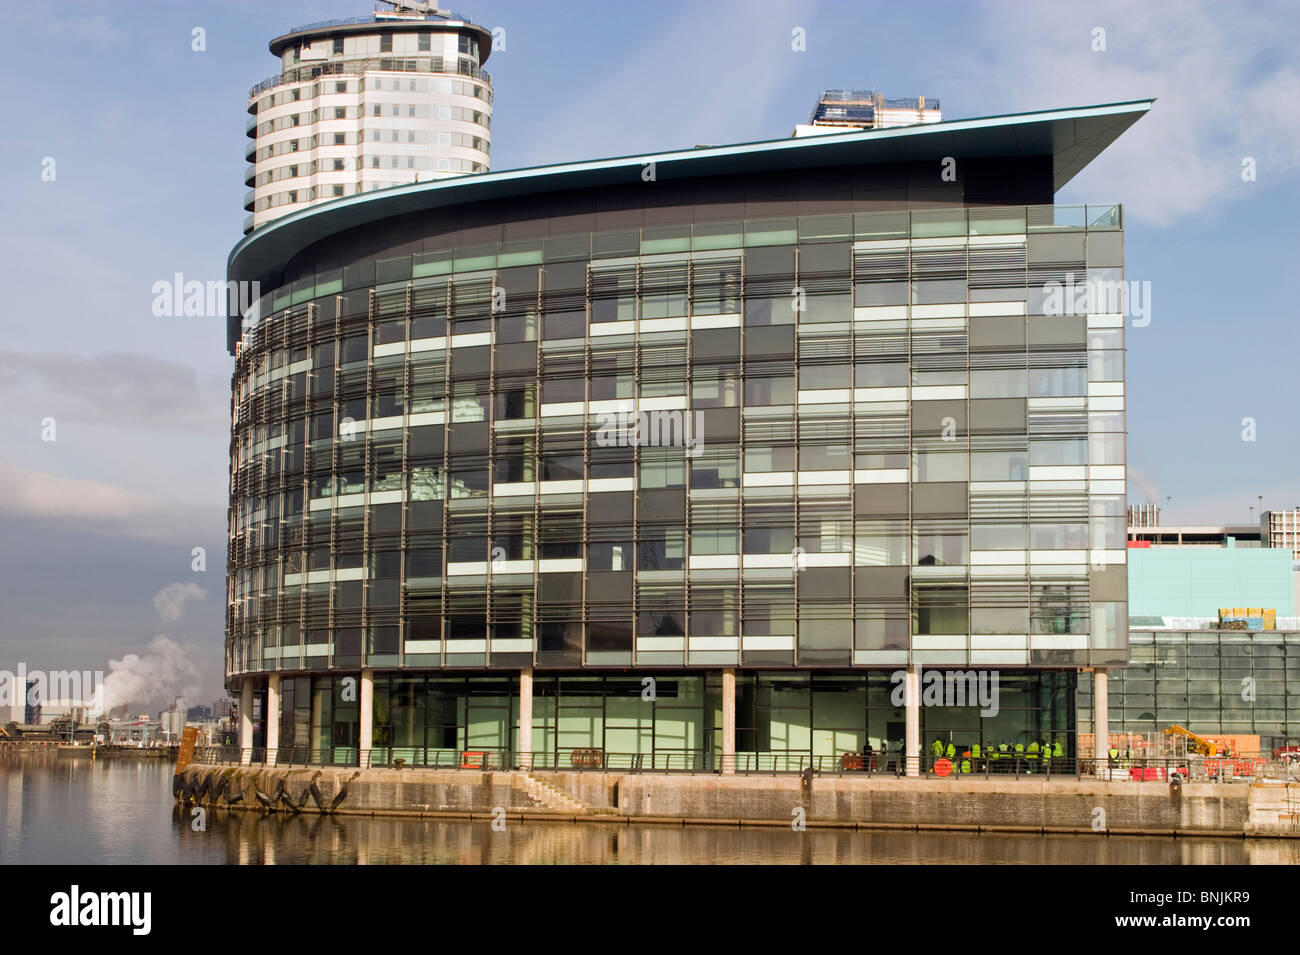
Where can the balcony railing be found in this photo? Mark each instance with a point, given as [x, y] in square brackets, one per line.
[386, 18]
[311, 71]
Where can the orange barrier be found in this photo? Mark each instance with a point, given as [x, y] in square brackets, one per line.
[464, 757]
[1235, 767]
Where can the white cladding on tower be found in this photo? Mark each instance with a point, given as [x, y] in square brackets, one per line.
[366, 103]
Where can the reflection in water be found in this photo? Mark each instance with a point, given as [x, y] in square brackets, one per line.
[76, 811]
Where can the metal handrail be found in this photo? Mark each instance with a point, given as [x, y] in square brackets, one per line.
[999, 765]
[395, 64]
[451, 15]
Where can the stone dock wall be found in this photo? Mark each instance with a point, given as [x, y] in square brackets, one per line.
[1059, 805]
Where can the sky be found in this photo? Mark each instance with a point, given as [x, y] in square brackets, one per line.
[123, 165]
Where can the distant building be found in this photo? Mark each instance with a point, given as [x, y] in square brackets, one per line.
[1282, 529]
[223, 709]
[1195, 582]
[367, 102]
[1143, 515]
[1191, 663]
[200, 712]
[839, 111]
[1193, 535]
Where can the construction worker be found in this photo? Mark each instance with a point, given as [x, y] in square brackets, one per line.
[965, 762]
[936, 749]
[950, 750]
[977, 754]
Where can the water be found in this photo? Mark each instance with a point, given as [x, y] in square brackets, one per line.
[114, 812]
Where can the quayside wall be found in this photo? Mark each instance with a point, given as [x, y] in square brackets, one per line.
[1057, 805]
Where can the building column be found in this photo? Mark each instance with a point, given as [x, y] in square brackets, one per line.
[272, 718]
[525, 754]
[729, 720]
[1100, 722]
[912, 715]
[246, 721]
[367, 733]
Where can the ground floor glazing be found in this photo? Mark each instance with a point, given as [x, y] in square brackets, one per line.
[665, 721]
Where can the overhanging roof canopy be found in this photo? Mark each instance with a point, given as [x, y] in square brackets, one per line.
[1072, 137]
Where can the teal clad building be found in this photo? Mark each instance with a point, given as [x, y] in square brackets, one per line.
[1197, 581]
[1184, 669]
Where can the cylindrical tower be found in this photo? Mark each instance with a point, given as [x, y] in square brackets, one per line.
[364, 103]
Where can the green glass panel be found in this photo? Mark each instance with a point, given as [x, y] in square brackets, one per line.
[432, 263]
[772, 232]
[718, 235]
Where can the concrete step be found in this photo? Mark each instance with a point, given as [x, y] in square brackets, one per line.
[551, 797]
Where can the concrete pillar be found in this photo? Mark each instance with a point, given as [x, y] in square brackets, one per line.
[246, 721]
[729, 720]
[525, 755]
[1101, 721]
[272, 718]
[912, 715]
[367, 715]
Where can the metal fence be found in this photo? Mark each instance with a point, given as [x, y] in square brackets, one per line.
[586, 759]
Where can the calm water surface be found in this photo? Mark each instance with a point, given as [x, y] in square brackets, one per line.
[114, 812]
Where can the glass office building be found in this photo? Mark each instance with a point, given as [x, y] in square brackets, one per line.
[684, 454]
[1214, 682]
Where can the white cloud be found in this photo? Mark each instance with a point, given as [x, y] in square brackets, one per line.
[170, 602]
[1226, 80]
[43, 503]
[38, 494]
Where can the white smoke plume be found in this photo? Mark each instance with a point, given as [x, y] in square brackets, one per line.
[170, 602]
[1144, 484]
[165, 670]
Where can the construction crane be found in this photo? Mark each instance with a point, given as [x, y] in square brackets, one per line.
[1198, 744]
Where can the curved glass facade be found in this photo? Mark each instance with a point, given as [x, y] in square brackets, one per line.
[825, 441]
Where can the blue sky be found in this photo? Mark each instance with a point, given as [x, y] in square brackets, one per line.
[147, 136]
